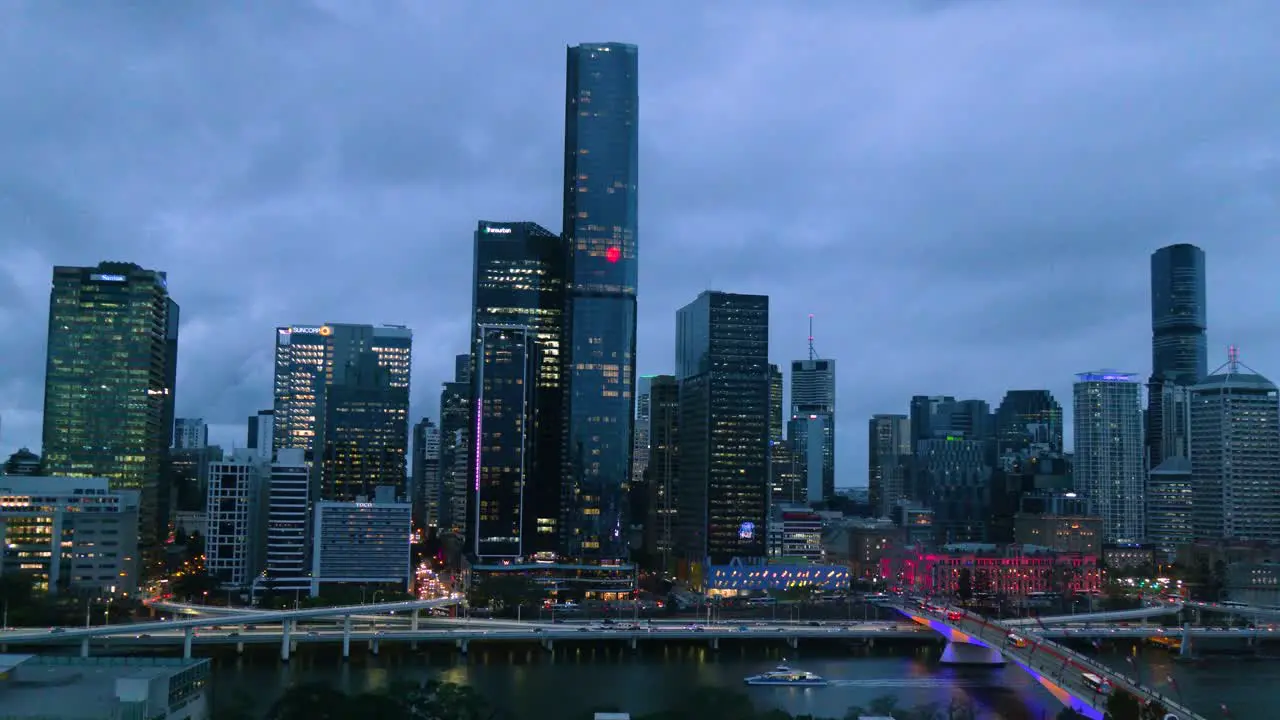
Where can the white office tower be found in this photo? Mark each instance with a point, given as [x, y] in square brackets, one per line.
[1108, 462]
[364, 543]
[70, 534]
[643, 430]
[1235, 455]
[190, 434]
[287, 518]
[236, 515]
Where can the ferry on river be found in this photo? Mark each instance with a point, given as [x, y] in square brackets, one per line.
[786, 675]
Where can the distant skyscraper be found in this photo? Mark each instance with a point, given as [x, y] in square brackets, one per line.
[661, 472]
[289, 503]
[108, 381]
[776, 415]
[455, 426]
[1235, 455]
[722, 365]
[1179, 354]
[600, 222]
[172, 315]
[311, 357]
[237, 507]
[640, 454]
[363, 432]
[518, 305]
[1108, 456]
[1027, 417]
[425, 470]
[811, 430]
[888, 454]
[23, 463]
[190, 433]
[260, 433]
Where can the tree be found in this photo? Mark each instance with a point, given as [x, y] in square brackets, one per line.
[505, 591]
[194, 584]
[314, 701]
[964, 585]
[1122, 706]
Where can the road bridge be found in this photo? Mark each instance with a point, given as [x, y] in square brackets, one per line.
[1151, 611]
[975, 640]
[1249, 611]
[544, 634]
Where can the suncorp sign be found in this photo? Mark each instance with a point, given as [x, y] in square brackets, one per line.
[322, 330]
[490, 230]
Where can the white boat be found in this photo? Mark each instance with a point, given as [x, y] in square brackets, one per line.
[785, 675]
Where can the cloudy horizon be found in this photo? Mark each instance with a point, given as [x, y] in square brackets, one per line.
[965, 194]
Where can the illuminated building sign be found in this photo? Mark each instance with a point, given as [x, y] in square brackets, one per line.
[747, 530]
[322, 330]
[497, 230]
[108, 278]
[1105, 377]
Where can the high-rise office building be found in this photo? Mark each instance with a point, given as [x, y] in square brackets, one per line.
[108, 381]
[661, 471]
[519, 285]
[190, 433]
[776, 414]
[1235, 455]
[171, 317]
[955, 471]
[722, 365]
[311, 357]
[1179, 354]
[237, 508]
[362, 432]
[498, 522]
[288, 506]
[1108, 462]
[601, 176]
[425, 471]
[888, 455]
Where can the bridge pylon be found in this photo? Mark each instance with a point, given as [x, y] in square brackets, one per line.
[971, 654]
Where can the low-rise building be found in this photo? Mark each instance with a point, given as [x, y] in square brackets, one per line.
[795, 532]
[862, 544]
[742, 578]
[1129, 557]
[1011, 570]
[1058, 521]
[70, 534]
[39, 687]
[1256, 584]
[562, 581]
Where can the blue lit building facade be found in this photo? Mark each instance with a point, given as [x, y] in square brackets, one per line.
[600, 224]
[738, 577]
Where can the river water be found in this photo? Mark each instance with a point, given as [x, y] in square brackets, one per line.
[543, 687]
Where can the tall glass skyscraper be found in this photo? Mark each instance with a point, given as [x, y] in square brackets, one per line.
[1108, 459]
[108, 394]
[1179, 353]
[601, 173]
[517, 380]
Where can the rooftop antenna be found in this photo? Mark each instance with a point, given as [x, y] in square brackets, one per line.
[813, 354]
[1233, 359]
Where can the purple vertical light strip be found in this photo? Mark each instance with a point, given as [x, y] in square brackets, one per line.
[479, 402]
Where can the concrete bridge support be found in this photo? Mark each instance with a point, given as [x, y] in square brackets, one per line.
[1186, 650]
[286, 640]
[462, 646]
[240, 648]
[187, 635]
[413, 625]
[793, 642]
[715, 643]
[959, 653]
[549, 645]
[632, 642]
[84, 648]
[346, 638]
[373, 646]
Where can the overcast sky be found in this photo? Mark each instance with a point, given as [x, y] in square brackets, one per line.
[965, 194]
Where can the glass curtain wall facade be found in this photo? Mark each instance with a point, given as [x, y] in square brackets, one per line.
[363, 432]
[108, 407]
[600, 223]
[1179, 350]
[722, 365]
[504, 375]
[518, 305]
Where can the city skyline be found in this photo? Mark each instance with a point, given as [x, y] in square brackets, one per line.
[999, 332]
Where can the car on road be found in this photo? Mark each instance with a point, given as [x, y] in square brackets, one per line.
[955, 615]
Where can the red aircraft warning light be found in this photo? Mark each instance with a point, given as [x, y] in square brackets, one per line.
[613, 254]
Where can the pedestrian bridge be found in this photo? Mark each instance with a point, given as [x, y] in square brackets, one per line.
[974, 640]
[1145, 613]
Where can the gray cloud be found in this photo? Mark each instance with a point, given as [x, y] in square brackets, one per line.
[965, 194]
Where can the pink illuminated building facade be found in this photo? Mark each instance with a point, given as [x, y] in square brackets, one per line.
[1012, 570]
